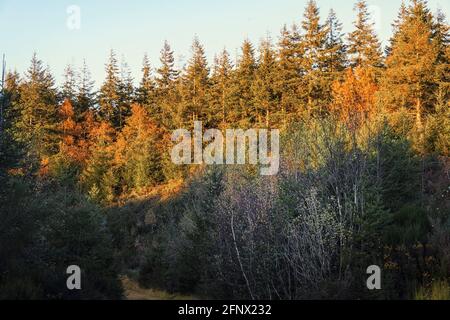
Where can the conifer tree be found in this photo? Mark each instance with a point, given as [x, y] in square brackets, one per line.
[37, 112]
[221, 89]
[409, 80]
[335, 49]
[244, 78]
[98, 178]
[69, 86]
[195, 85]
[126, 94]
[167, 73]
[167, 97]
[85, 94]
[313, 41]
[289, 74]
[109, 97]
[138, 151]
[364, 46]
[146, 91]
[264, 91]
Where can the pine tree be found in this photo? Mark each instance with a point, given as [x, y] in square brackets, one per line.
[364, 46]
[37, 112]
[195, 85]
[109, 97]
[85, 95]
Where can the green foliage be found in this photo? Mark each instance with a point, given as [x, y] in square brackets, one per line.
[42, 233]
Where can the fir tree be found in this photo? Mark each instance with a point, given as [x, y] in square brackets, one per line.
[37, 112]
[264, 92]
[244, 78]
[109, 97]
[69, 86]
[364, 46]
[221, 91]
[289, 74]
[85, 94]
[195, 85]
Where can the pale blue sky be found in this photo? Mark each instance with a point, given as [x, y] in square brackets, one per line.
[134, 27]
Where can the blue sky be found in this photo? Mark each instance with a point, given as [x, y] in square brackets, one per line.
[134, 27]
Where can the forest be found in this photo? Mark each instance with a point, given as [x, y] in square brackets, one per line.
[86, 176]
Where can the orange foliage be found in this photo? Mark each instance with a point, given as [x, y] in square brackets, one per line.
[354, 97]
[73, 135]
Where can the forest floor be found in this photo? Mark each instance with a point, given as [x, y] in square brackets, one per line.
[134, 292]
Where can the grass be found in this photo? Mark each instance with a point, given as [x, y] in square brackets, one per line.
[440, 290]
[134, 292]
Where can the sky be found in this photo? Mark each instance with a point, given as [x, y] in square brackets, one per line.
[61, 36]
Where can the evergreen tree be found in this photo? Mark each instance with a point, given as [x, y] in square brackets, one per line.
[289, 74]
[313, 41]
[167, 73]
[98, 178]
[335, 49]
[221, 90]
[243, 82]
[167, 97]
[195, 85]
[264, 91]
[409, 80]
[138, 151]
[146, 91]
[37, 113]
[85, 94]
[109, 97]
[69, 86]
[364, 46]
[126, 94]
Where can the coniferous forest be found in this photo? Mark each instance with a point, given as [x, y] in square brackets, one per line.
[86, 176]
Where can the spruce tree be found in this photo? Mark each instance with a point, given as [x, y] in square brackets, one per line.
[335, 49]
[409, 80]
[69, 87]
[264, 91]
[364, 46]
[85, 94]
[109, 96]
[289, 74]
[243, 82]
[126, 94]
[167, 96]
[195, 85]
[313, 41]
[146, 91]
[221, 89]
[37, 113]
